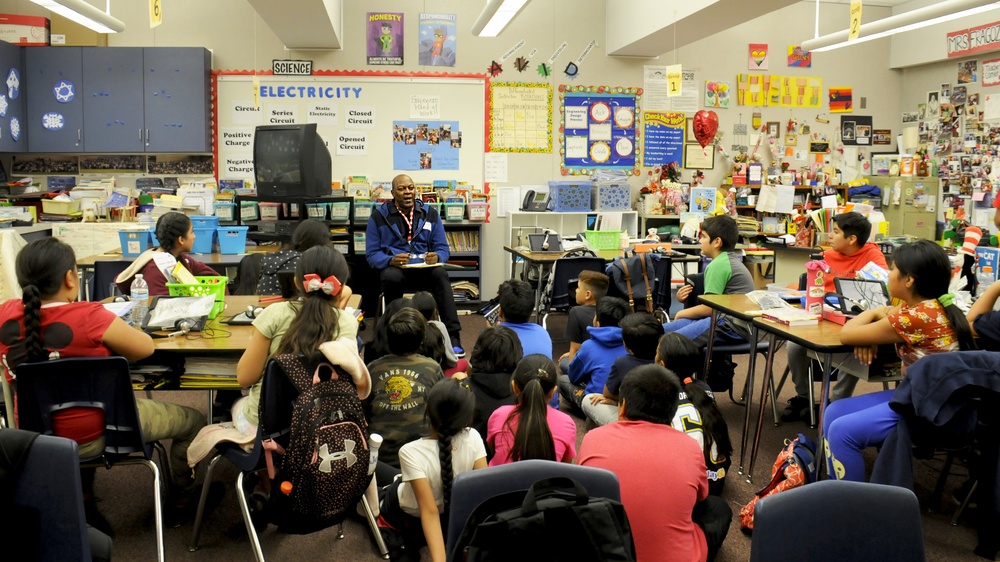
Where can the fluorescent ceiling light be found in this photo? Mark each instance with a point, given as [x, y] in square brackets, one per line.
[496, 15]
[900, 23]
[84, 14]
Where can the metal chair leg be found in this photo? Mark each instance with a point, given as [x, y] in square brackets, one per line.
[161, 452]
[812, 399]
[157, 508]
[200, 514]
[965, 503]
[245, 510]
[373, 526]
[340, 531]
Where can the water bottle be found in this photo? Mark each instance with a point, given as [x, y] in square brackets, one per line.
[985, 278]
[140, 295]
[374, 442]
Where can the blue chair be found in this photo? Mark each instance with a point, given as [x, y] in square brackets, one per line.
[47, 387]
[47, 491]
[476, 486]
[834, 520]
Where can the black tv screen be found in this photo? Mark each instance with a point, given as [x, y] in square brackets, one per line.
[291, 160]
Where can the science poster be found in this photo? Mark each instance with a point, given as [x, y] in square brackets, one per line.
[384, 38]
[437, 39]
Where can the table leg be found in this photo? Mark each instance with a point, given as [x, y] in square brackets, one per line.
[711, 341]
[210, 420]
[824, 393]
[772, 344]
[749, 397]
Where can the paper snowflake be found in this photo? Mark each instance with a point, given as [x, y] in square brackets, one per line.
[52, 121]
[15, 128]
[64, 91]
[3, 105]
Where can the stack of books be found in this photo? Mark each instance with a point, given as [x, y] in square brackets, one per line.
[791, 317]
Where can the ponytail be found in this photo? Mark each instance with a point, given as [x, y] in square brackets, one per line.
[958, 322]
[316, 317]
[41, 268]
[450, 407]
[713, 424]
[535, 377]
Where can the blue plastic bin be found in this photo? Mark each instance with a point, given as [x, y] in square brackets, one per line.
[232, 239]
[134, 242]
[204, 240]
[204, 221]
[570, 196]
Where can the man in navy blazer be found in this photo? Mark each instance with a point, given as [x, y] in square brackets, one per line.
[402, 232]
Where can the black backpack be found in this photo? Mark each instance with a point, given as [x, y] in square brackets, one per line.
[525, 526]
[324, 468]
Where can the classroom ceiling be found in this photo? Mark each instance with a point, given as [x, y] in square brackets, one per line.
[313, 24]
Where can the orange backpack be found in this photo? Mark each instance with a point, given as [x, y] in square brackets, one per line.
[794, 467]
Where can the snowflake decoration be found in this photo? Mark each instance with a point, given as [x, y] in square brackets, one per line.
[495, 69]
[13, 83]
[544, 70]
[520, 64]
[15, 128]
[572, 71]
[3, 105]
[64, 91]
[53, 121]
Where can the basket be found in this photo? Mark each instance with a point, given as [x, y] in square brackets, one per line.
[359, 243]
[204, 221]
[248, 210]
[316, 210]
[340, 211]
[603, 239]
[454, 211]
[53, 207]
[232, 239]
[269, 211]
[204, 240]
[225, 210]
[477, 211]
[134, 242]
[214, 286]
[363, 210]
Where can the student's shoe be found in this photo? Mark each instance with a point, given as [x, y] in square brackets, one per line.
[459, 351]
[797, 406]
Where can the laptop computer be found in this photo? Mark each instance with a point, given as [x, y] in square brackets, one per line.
[537, 242]
[858, 295]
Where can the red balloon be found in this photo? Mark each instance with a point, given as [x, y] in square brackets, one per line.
[706, 124]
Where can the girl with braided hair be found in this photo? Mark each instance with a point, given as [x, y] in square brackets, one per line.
[416, 504]
[175, 232]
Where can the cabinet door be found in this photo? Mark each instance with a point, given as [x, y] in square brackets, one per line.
[178, 117]
[52, 79]
[112, 99]
[12, 99]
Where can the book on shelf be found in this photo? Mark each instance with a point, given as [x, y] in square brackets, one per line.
[791, 316]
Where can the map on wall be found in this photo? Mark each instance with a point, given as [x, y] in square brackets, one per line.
[599, 129]
[520, 117]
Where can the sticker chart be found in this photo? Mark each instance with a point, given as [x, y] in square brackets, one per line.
[520, 117]
[599, 129]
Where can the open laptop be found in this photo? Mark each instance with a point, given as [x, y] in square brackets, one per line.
[536, 242]
[858, 295]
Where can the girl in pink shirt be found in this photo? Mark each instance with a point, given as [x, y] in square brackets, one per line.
[531, 429]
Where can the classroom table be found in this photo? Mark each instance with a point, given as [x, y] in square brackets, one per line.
[739, 307]
[822, 338]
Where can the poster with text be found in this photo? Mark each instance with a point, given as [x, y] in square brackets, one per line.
[599, 129]
[663, 138]
[384, 38]
[425, 145]
[991, 72]
[437, 39]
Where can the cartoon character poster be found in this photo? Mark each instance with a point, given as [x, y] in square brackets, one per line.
[385, 38]
[437, 39]
[798, 57]
[758, 56]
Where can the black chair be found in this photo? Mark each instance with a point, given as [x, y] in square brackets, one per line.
[835, 520]
[48, 499]
[45, 388]
[559, 294]
[277, 396]
[475, 486]
[105, 273]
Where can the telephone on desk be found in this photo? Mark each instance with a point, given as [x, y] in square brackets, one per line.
[535, 201]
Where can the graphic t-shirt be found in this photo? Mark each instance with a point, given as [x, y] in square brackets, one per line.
[400, 384]
[689, 421]
[924, 328]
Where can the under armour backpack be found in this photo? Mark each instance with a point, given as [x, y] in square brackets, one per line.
[794, 467]
[324, 468]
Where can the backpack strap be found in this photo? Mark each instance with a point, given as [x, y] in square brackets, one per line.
[628, 283]
[645, 277]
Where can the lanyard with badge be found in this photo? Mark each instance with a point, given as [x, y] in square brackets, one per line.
[409, 225]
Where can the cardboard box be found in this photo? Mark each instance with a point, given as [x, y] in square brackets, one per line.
[28, 31]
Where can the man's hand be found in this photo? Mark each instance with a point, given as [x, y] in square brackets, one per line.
[684, 292]
[597, 399]
[431, 258]
[399, 260]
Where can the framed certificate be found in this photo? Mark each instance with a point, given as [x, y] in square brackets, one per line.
[696, 157]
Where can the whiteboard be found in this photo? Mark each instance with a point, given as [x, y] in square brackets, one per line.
[354, 115]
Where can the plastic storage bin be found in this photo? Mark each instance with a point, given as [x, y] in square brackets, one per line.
[340, 211]
[52, 207]
[291, 210]
[477, 211]
[437, 206]
[603, 239]
[214, 286]
[225, 210]
[232, 239]
[204, 221]
[363, 210]
[135, 242]
[359, 243]
[204, 240]
[269, 211]
[570, 196]
[316, 210]
[248, 211]
[454, 211]
[342, 247]
[607, 196]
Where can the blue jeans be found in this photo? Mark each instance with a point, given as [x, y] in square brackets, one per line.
[853, 424]
[689, 327]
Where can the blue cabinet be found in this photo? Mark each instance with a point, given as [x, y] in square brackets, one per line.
[112, 99]
[52, 81]
[176, 99]
[13, 119]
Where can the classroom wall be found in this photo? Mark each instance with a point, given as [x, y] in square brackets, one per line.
[240, 40]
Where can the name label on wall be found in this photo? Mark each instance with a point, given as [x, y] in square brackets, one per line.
[292, 67]
[974, 40]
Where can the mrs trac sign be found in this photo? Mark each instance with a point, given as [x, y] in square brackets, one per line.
[292, 67]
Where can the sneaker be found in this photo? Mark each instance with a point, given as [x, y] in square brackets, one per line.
[459, 351]
[797, 405]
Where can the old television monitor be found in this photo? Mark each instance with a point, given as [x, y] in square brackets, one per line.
[291, 160]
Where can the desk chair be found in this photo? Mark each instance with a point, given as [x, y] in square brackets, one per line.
[475, 486]
[47, 494]
[834, 520]
[105, 273]
[277, 395]
[46, 387]
[559, 293]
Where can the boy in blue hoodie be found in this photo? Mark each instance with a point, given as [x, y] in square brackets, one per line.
[590, 366]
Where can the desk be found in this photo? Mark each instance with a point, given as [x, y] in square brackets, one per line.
[543, 261]
[822, 338]
[738, 307]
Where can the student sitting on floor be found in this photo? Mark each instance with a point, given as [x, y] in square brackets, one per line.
[531, 429]
[850, 251]
[517, 299]
[641, 334]
[927, 322]
[591, 287]
[494, 357]
[725, 275]
[47, 322]
[590, 367]
[308, 233]
[437, 332]
[175, 232]
[660, 470]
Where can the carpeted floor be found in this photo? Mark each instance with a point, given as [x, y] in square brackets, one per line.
[126, 498]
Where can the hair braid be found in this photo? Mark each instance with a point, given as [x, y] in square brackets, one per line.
[447, 469]
[169, 228]
[32, 323]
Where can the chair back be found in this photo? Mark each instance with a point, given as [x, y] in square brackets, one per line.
[277, 396]
[476, 486]
[812, 522]
[105, 273]
[663, 267]
[48, 498]
[563, 281]
[45, 388]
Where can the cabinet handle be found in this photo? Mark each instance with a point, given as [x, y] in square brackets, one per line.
[79, 137]
[140, 135]
[147, 137]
